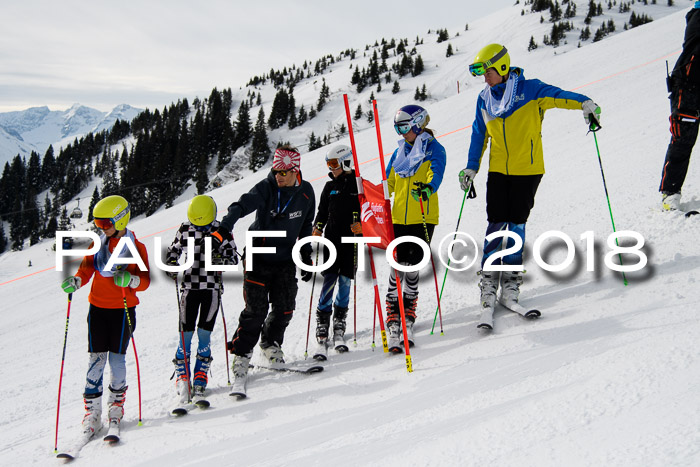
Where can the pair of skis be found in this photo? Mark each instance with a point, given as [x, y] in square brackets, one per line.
[486, 319]
[112, 438]
[240, 383]
[339, 345]
[199, 403]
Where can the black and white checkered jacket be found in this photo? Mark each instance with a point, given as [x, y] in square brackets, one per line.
[197, 277]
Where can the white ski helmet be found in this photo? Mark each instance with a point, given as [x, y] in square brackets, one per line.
[343, 154]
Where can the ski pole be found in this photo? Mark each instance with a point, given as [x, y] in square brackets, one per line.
[60, 379]
[419, 185]
[354, 287]
[223, 318]
[311, 303]
[133, 345]
[182, 341]
[444, 279]
[594, 127]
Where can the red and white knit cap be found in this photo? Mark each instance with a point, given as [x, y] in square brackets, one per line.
[286, 159]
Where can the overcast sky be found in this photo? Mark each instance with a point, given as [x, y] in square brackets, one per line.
[151, 53]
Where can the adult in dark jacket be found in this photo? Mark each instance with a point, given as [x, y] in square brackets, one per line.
[337, 217]
[684, 86]
[281, 202]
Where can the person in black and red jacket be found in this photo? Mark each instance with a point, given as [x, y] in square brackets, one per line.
[338, 217]
[684, 86]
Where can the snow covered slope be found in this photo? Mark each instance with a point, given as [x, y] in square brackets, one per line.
[609, 375]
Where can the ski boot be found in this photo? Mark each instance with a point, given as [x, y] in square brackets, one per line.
[115, 402]
[393, 326]
[240, 366]
[323, 321]
[92, 420]
[410, 304]
[510, 287]
[273, 353]
[489, 286]
[339, 316]
[182, 383]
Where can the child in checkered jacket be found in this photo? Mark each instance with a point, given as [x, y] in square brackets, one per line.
[200, 295]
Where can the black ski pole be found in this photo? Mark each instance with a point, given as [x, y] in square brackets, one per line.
[182, 341]
[311, 302]
[60, 379]
[223, 318]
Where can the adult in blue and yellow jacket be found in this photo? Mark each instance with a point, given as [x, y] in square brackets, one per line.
[509, 113]
[414, 174]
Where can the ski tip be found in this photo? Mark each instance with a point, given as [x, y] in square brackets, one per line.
[320, 357]
[342, 349]
[485, 326]
[395, 350]
[202, 404]
[315, 369]
[66, 456]
[533, 314]
[111, 439]
[691, 213]
[238, 395]
[180, 411]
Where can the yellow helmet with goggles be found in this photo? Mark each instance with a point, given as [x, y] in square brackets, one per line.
[492, 56]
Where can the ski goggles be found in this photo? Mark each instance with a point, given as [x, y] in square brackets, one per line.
[402, 127]
[478, 69]
[202, 228]
[280, 172]
[104, 224]
[333, 164]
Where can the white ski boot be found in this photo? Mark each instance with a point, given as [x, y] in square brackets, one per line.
[92, 420]
[489, 286]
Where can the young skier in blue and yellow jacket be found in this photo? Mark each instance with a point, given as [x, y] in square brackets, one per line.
[509, 113]
[414, 172]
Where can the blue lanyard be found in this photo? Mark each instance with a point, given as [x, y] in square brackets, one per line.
[278, 203]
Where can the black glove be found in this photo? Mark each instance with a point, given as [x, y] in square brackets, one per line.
[306, 259]
[172, 262]
[218, 236]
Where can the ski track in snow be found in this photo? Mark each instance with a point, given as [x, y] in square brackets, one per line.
[609, 375]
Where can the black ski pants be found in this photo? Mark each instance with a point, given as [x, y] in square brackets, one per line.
[269, 285]
[684, 131]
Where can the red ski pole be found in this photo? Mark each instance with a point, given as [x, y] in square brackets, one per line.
[133, 345]
[60, 379]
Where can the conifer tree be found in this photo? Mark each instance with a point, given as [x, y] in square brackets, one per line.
[242, 133]
[396, 88]
[358, 112]
[260, 150]
[93, 201]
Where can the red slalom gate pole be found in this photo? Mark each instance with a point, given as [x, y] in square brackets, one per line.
[60, 379]
[360, 191]
[409, 362]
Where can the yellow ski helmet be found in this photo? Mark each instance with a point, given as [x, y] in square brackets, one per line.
[202, 210]
[492, 56]
[114, 210]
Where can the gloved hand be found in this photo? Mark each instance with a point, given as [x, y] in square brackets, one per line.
[591, 113]
[172, 262]
[306, 259]
[356, 228]
[218, 236]
[126, 279]
[423, 190]
[466, 178]
[318, 230]
[71, 284]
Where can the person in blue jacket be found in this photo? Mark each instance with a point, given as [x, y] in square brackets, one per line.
[413, 173]
[509, 113]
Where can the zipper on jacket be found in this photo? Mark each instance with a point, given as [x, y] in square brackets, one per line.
[505, 142]
[408, 195]
[532, 161]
